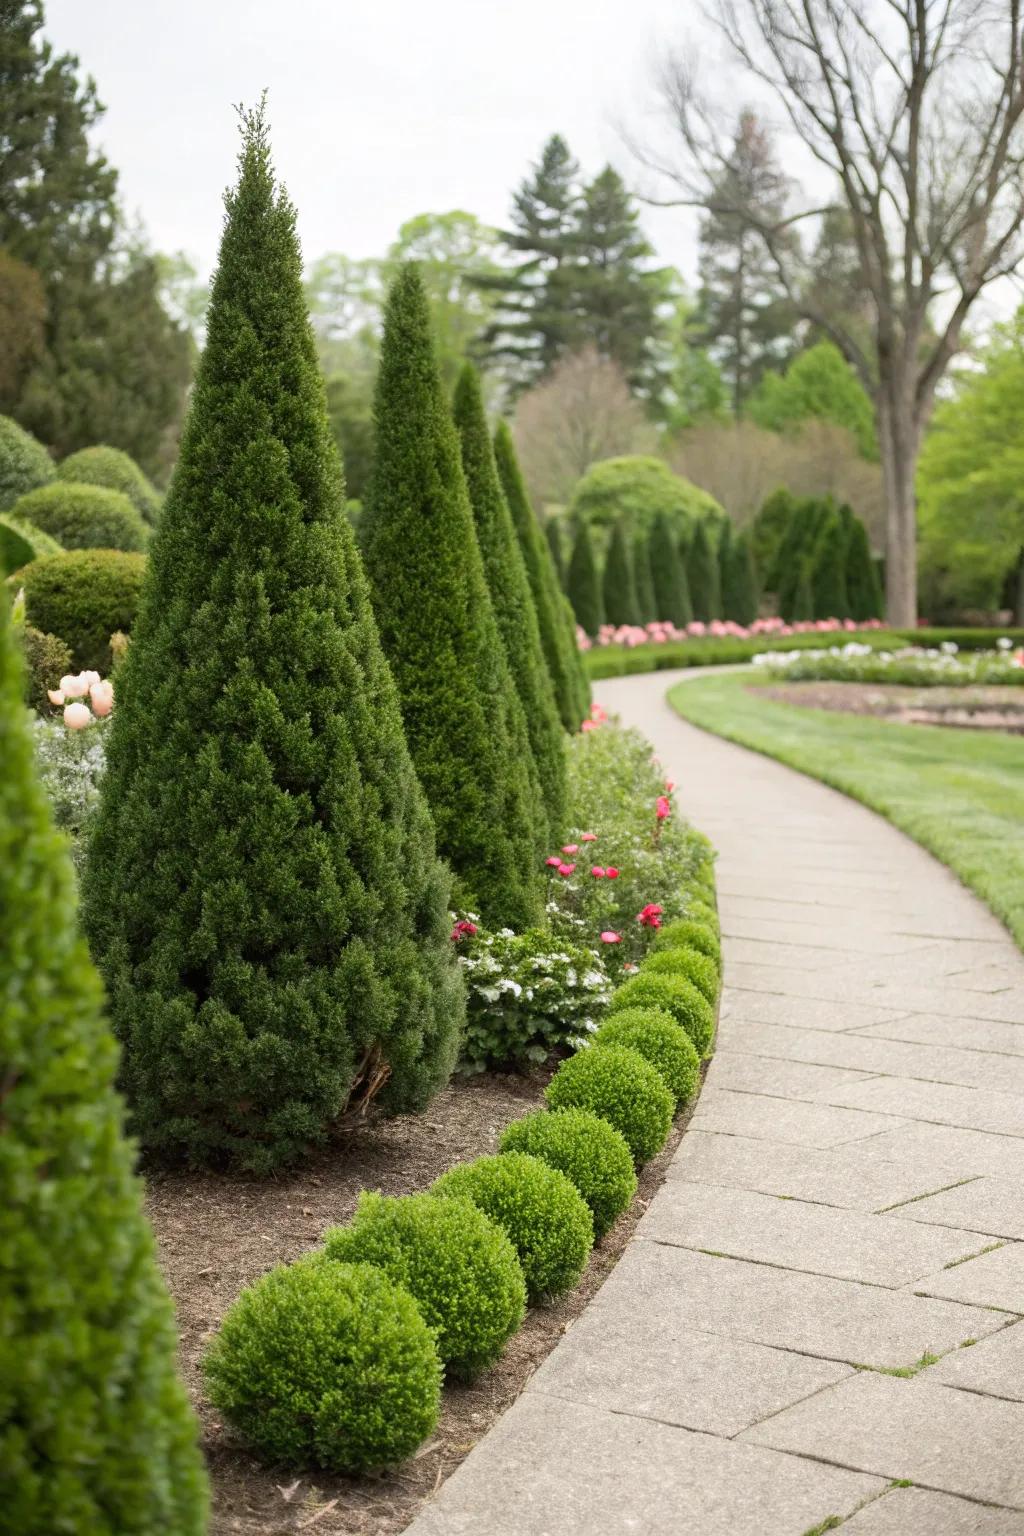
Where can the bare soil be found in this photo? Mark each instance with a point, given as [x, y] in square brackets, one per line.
[991, 708]
[217, 1234]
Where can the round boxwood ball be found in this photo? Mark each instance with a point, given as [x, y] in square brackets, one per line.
[691, 963]
[84, 516]
[616, 1083]
[688, 934]
[659, 1039]
[326, 1364]
[545, 1217]
[458, 1266]
[677, 996]
[699, 911]
[589, 1151]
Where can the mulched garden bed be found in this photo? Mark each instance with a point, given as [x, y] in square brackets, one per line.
[216, 1234]
[974, 708]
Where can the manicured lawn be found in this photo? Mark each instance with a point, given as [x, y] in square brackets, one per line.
[958, 793]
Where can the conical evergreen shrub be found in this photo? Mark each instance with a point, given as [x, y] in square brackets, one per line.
[828, 570]
[702, 575]
[263, 894]
[646, 605]
[863, 592]
[553, 534]
[505, 571]
[555, 616]
[584, 584]
[463, 718]
[668, 577]
[618, 584]
[739, 579]
[95, 1430]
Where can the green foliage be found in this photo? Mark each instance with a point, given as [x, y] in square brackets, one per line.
[680, 960]
[96, 1432]
[527, 994]
[702, 576]
[618, 586]
[542, 1212]
[583, 583]
[625, 661]
[688, 933]
[617, 1084]
[818, 384]
[84, 596]
[262, 892]
[637, 488]
[769, 529]
[458, 1266]
[591, 1153]
[21, 542]
[24, 463]
[555, 617]
[863, 590]
[326, 1364]
[738, 578]
[556, 544]
[507, 581]
[463, 718]
[643, 579]
[655, 1035]
[47, 660]
[677, 996]
[115, 471]
[84, 517]
[668, 575]
[828, 570]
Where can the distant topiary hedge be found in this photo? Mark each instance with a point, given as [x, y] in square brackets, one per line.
[24, 463]
[84, 516]
[115, 471]
[616, 1083]
[83, 596]
[590, 1152]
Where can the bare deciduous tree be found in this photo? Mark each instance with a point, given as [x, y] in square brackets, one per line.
[916, 109]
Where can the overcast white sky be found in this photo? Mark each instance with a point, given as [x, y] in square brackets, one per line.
[380, 109]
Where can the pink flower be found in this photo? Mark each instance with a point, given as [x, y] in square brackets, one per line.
[670, 785]
[102, 696]
[76, 716]
[598, 872]
[663, 807]
[570, 847]
[611, 873]
[565, 870]
[553, 862]
[599, 713]
[589, 725]
[629, 966]
[650, 917]
[611, 937]
[73, 687]
[55, 695]
[463, 930]
[588, 837]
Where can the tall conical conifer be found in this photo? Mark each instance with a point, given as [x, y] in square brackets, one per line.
[828, 570]
[645, 601]
[863, 591]
[668, 575]
[554, 612]
[263, 894]
[553, 534]
[509, 586]
[462, 714]
[95, 1430]
[739, 578]
[584, 583]
[702, 575]
[618, 583]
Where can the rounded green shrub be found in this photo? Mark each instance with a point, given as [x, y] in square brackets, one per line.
[83, 596]
[590, 1152]
[616, 1083]
[47, 660]
[677, 996]
[24, 463]
[700, 911]
[690, 934]
[545, 1217]
[84, 517]
[114, 471]
[326, 1364]
[20, 542]
[457, 1265]
[658, 1039]
[680, 960]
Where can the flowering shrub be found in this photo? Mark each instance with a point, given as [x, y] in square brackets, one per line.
[916, 666]
[662, 633]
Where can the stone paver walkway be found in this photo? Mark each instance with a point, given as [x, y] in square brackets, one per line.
[825, 1301]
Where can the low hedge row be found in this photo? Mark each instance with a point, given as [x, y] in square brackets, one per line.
[337, 1360]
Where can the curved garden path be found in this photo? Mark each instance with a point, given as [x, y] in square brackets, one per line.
[847, 1205]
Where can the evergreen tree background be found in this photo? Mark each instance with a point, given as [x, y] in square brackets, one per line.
[262, 891]
[739, 578]
[463, 718]
[556, 544]
[505, 571]
[668, 574]
[618, 583]
[584, 583]
[642, 579]
[863, 590]
[96, 1433]
[702, 574]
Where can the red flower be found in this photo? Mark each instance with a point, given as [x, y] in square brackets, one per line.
[611, 937]
[463, 930]
[598, 872]
[611, 872]
[589, 725]
[650, 917]
[570, 847]
[588, 837]
[565, 870]
[670, 785]
[553, 862]
[663, 807]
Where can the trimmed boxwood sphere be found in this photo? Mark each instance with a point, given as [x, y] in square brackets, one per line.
[677, 996]
[457, 1264]
[616, 1083]
[689, 934]
[84, 517]
[83, 596]
[589, 1151]
[700, 911]
[115, 471]
[326, 1364]
[680, 960]
[546, 1218]
[24, 463]
[659, 1040]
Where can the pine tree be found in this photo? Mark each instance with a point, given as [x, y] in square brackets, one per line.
[553, 534]
[96, 1433]
[863, 593]
[828, 570]
[462, 714]
[643, 579]
[769, 529]
[505, 571]
[668, 574]
[739, 579]
[702, 575]
[555, 616]
[618, 584]
[262, 893]
[795, 546]
[584, 584]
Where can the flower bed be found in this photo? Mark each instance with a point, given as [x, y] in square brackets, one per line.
[939, 666]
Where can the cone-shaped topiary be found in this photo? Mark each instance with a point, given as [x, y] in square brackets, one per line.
[457, 1265]
[690, 934]
[115, 471]
[739, 578]
[262, 892]
[553, 534]
[505, 571]
[591, 1153]
[656, 1036]
[863, 592]
[555, 617]
[618, 585]
[326, 1363]
[24, 463]
[702, 575]
[463, 718]
[681, 960]
[828, 570]
[642, 576]
[677, 996]
[95, 1430]
[584, 584]
[668, 574]
[616, 1083]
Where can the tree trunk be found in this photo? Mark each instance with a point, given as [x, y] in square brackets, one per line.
[899, 440]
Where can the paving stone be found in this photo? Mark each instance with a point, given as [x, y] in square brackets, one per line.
[550, 1468]
[959, 1152]
[805, 1013]
[956, 1442]
[773, 951]
[938, 1029]
[880, 1250]
[993, 1206]
[745, 1073]
[993, 1279]
[994, 1365]
[919, 1512]
[974, 1109]
[951, 1002]
[788, 1120]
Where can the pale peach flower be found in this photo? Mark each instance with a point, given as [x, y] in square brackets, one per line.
[76, 716]
[102, 695]
[73, 687]
[55, 695]
[91, 677]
